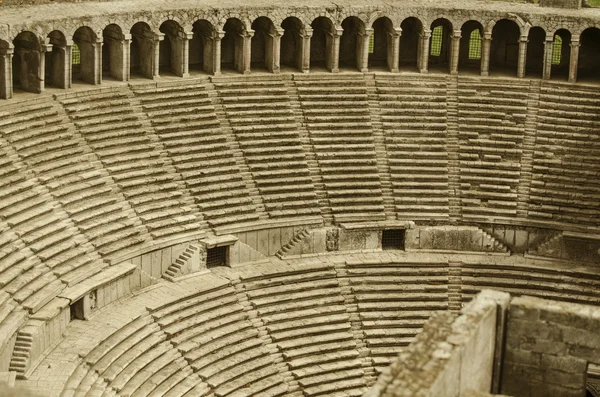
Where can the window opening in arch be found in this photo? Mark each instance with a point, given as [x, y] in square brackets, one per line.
[475, 44]
[436, 41]
[76, 55]
[372, 43]
[556, 50]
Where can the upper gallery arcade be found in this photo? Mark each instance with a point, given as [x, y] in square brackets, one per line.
[87, 44]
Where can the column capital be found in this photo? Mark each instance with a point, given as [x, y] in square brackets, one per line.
[524, 39]
[487, 36]
[307, 32]
[249, 33]
[457, 34]
[338, 31]
[219, 34]
[127, 36]
[187, 35]
[159, 36]
[369, 31]
[46, 47]
[427, 33]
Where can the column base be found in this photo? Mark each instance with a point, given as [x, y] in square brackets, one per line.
[185, 75]
[454, 72]
[485, 74]
[572, 80]
[305, 70]
[216, 73]
[424, 71]
[246, 72]
[364, 70]
[335, 70]
[396, 70]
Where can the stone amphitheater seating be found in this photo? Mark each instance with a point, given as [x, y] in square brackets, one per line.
[414, 118]
[567, 156]
[491, 120]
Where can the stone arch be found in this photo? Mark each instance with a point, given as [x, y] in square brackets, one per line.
[263, 52]
[292, 43]
[534, 65]
[352, 42]
[440, 43]
[232, 45]
[410, 43]
[28, 63]
[470, 46]
[202, 46]
[504, 49]
[383, 51]
[113, 53]
[561, 54]
[589, 54]
[171, 48]
[322, 43]
[141, 55]
[57, 67]
[85, 64]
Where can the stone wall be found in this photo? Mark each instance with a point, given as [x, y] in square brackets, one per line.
[548, 348]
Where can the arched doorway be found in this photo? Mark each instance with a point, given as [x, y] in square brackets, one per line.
[381, 45]
[141, 53]
[57, 61]
[292, 43]
[410, 42]
[469, 58]
[171, 57]
[351, 43]
[262, 51]
[504, 50]
[113, 62]
[321, 44]
[232, 46]
[202, 47]
[589, 55]
[561, 55]
[440, 45]
[534, 66]
[84, 54]
[27, 67]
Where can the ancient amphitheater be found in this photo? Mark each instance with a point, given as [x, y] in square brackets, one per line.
[225, 198]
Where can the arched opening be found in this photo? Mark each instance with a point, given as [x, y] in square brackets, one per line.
[321, 44]
[351, 43]
[84, 56]
[534, 66]
[410, 43]
[112, 52]
[141, 53]
[201, 46]
[232, 45]
[56, 61]
[469, 57]
[27, 62]
[504, 52]
[439, 45]
[261, 51]
[381, 45]
[292, 43]
[171, 49]
[589, 55]
[561, 54]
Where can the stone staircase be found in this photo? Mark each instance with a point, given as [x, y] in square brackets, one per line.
[19, 362]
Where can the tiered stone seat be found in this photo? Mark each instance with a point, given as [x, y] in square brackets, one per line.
[116, 131]
[259, 112]
[305, 314]
[565, 186]
[220, 343]
[414, 119]
[491, 127]
[184, 119]
[394, 300]
[564, 284]
[336, 110]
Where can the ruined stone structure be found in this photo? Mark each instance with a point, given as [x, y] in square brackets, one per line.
[215, 200]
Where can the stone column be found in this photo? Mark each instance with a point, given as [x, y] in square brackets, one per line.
[246, 62]
[424, 51]
[362, 61]
[126, 46]
[215, 67]
[335, 50]
[158, 37]
[6, 86]
[42, 66]
[393, 51]
[97, 73]
[547, 66]
[304, 61]
[185, 56]
[574, 59]
[454, 51]
[522, 60]
[275, 62]
[486, 45]
[69, 62]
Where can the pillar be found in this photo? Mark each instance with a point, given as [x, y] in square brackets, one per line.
[424, 51]
[304, 60]
[61, 63]
[522, 57]
[486, 44]
[126, 56]
[185, 53]
[574, 59]
[334, 53]
[42, 66]
[158, 37]
[393, 51]
[97, 64]
[273, 55]
[6, 86]
[455, 51]
[547, 67]
[214, 66]
[246, 52]
[362, 61]
[69, 62]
